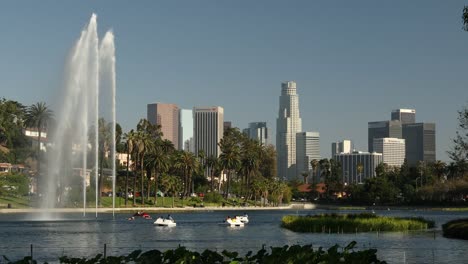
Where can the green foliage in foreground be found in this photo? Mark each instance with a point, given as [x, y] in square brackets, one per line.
[456, 229]
[350, 223]
[286, 254]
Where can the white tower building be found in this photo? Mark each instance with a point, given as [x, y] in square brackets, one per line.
[208, 129]
[392, 149]
[307, 149]
[288, 124]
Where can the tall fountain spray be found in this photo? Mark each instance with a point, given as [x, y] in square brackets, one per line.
[107, 74]
[69, 162]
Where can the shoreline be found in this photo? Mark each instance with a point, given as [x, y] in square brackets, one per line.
[146, 209]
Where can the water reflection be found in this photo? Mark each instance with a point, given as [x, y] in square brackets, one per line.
[76, 236]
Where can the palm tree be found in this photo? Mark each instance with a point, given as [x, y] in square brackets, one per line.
[305, 174]
[439, 168]
[314, 163]
[229, 159]
[130, 141]
[211, 163]
[171, 184]
[186, 162]
[158, 160]
[38, 116]
[143, 145]
[250, 161]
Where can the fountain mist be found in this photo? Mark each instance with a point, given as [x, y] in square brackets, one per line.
[68, 159]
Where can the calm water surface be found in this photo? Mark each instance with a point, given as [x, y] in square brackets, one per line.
[75, 235]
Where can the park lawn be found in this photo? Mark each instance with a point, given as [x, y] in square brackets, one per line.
[16, 202]
[167, 203]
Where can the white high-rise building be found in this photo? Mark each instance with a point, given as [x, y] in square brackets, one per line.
[307, 149]
[341, 147]
[358, 166]
[186, 130]
[288, 124]
[392, 149]
[208, 129]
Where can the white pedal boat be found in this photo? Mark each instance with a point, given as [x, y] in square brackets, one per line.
[234, 222]
[164, 222]
[243, 218]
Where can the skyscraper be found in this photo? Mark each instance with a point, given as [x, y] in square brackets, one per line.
[341, 147]
[358, 166]
[420, 142]
[405, 116]
[307, 149]
[383, 129]
[392, 149]
[288, 124]
[258, 131]
[186, 130]
[208, 129]
[167, 116]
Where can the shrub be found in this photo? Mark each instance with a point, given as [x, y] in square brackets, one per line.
[456, 229]
[213, 197]
[285, 254]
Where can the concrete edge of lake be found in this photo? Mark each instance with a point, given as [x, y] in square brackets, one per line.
[156, 209]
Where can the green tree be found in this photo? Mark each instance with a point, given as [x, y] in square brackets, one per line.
[129, 147]
[172, 185]
[187, 163]
[465, 18]
[314, 163]
[459, 151]
[230, 159]
[211, 164]
[38, 116]
[158, 161]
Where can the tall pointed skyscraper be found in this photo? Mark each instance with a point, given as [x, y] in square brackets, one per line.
[287, 125]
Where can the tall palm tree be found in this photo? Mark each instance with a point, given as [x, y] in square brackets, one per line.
[439, 168]
[171, 184]
[314, 163]
[158, 160]
[229, 159]
[305, 174]
[250, 161]
[211, 163]
[187, 163]
[129, 143]
[38, 116]
[143, 145]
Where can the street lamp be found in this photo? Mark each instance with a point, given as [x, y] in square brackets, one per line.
[417, 182]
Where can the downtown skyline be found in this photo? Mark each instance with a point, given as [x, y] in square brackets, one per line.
[409, 57]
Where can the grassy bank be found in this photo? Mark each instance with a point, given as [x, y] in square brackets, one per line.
[350, 223]
[456, 229]
[15, 202]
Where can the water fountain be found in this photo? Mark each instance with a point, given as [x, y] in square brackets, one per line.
[90, 63]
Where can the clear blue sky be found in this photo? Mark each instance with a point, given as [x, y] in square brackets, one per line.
[353, 61]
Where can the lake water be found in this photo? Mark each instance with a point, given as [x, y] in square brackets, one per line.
[73, 235]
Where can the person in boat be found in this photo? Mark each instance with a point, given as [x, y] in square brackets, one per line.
[170, 218]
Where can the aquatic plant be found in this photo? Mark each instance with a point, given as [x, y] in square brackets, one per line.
[351, 223]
